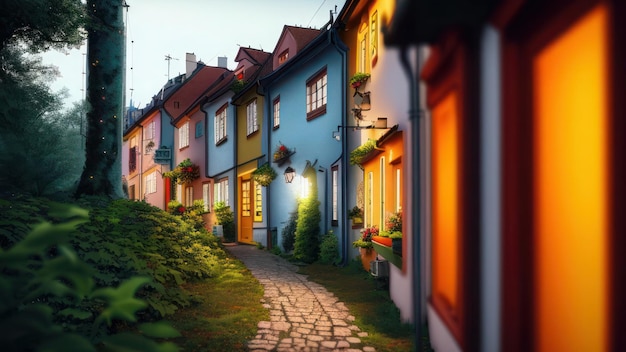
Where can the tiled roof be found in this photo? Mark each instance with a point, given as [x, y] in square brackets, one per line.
[256, 56]
[302, 36]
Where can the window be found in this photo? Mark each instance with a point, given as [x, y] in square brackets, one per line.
[205, 197]
[246, 198]
[251, 121]
[183, 136]
[132, 159]
[131, 192]
[220, 191]
[149, 130]
[283, 57]
[220, 124]
[189, 196]
[277, 112]
[151, 183]
[369, 210]
[258, 202]
[382, 184]
[362, 49]
[179, 193]
[335, 195]
[199, 129]
[374, 38]
[316, 95]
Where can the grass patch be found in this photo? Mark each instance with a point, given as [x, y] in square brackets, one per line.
[369, 302]
[228, 312]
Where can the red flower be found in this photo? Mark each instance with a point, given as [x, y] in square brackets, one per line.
[282, 148]
[181, 209]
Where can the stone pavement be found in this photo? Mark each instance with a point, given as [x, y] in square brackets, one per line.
[304, 316]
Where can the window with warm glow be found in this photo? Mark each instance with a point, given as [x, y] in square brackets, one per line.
[220, 191]
[205, 197]
[374, 36]
[188, 196]
[362, 61]
[283, 57]
[150, 183]
[445, 205]
[570, 195]
[258, 202]
[246, 199]
[316, 94]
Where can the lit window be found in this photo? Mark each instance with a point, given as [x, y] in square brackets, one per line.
[183, 136]
[205, 196]
[188, 196]
[251, 121]
[276, 112]
[362, 49]
[258, 202]
[374, 37]
[220, 191]
[283, 57]
[220, 124]
[316, 95]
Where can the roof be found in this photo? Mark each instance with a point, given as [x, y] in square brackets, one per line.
[301, 35]
[256, 56]
[181, 100]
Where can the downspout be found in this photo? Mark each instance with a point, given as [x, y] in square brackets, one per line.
[344, 155]
[414, 118]
[268, 109]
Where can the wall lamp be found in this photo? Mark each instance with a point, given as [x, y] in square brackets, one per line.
[379, 124]
[290, 173]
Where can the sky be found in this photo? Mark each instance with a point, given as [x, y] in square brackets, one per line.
[208, 28]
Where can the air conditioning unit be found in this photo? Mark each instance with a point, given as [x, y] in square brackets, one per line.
[218, 230]
[379, 268]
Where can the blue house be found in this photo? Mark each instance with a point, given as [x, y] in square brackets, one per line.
[304, 100]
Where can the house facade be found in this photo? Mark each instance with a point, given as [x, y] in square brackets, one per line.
[190, 141]
[248, 117]
[522, 124]
[377, 112]
[304, 103]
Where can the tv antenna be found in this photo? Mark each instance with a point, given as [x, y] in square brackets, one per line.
[169, 58]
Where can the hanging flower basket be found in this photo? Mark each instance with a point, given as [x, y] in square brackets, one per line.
[264, 175]
[282, 154]
[359, 79]
[186, 172]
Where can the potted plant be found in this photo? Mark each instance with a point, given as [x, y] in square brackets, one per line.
[365, 246]
[281, 154]
[264, 175]
[185, 172]
[359, 79]
[357, 156]
[394, 226]
[356, 214]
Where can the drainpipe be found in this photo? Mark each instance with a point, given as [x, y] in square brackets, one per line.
[414, 118]
[269, 109]
[344, 156]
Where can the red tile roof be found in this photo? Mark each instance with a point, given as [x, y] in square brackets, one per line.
[301, 35]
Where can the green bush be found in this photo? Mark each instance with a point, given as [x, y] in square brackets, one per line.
[289, 232]
[50, 301]
[329, 249]
[306, 247]
[226, 218]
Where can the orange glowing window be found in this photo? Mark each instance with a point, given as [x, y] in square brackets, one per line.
[570, 188]
[445, 198]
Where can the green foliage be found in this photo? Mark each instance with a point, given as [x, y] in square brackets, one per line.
[306, 247]
[329, 249]
[238, 85]
[264, 175]
[359, 153]
[226, 218]
[50, 301]
[185, 172]
[31, 24]
[359, 77]
[289, 232]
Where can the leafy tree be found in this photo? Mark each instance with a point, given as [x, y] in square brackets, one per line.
[40, 25]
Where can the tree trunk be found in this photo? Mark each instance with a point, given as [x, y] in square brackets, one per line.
[102, 173]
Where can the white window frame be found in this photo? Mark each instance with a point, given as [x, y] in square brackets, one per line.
[188, 196]
[251, 118]
[183, 135]
[220, 191]
[205, 197]
[150, 183]
[220, 124]
[276, 108]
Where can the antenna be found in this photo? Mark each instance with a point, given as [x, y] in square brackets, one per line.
[318, 9]
[169, 58]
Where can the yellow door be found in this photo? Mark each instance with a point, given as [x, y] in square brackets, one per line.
[245, 215]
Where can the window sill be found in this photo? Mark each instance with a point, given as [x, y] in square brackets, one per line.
[387, 253]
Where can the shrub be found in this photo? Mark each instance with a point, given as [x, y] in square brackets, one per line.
[306, 247]
[329, 249]
[289, 232]
[226, 218]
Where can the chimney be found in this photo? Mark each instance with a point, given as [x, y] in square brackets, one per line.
[190, 63]
[222, 61]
